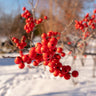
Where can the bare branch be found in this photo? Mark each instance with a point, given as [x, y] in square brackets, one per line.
[36, 4]
[8, 57]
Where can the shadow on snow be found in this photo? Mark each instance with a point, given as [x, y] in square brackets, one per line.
[7, 61]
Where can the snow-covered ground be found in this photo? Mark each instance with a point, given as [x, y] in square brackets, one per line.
[37, 82]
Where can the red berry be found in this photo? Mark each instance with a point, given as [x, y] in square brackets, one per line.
[32, 53]
[45, 17]
[44, 41]
[94, 11]
[51, 45]
[29, 61]
[61, 75]
[25, 58]
[38, 60]
[62, 54]
[44, 35]
[65, 70]
[13, 38]
[35, 63]
[59, 50]
[38, 45]
[54, 40]
[21, 65]
[16, 40]
[69, 43]
[46, 55]
[18, 60]
[67, 76]
[21, 53]
[57, 56]
[22, 15]
[38, 50]
[87, 15]
[55, 33]
[44, 49]
[53, 50]
[49, 34]
[74, 57]
[68, 68]
[37, 22]
[51, 64]
[69, 52]
[21, 46]
[26, 11]
[45, 63]
[59, 64]
[56, 73]
[24, 8]
[51, 69]
[32, 49]
[93, 26]
[75, 73]
[40, 20]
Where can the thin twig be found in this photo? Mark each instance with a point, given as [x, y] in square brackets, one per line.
[36, 4]
[33, 12]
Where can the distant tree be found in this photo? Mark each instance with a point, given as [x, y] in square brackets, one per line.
[17, 28]
[62, 12]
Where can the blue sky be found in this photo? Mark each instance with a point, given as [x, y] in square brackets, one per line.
[9, 6]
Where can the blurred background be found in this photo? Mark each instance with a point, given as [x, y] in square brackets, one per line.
[60, 13]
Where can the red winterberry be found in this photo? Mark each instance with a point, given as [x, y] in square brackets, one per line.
[75, 73]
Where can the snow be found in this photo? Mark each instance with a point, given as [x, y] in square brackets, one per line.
[3, 39]
[37, 82]
[37, 39]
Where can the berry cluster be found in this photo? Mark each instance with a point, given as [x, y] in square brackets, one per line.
[30, 23]
[45, 52]
[87, 22]
[86, 26]
[49, 54]
[20, 44]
